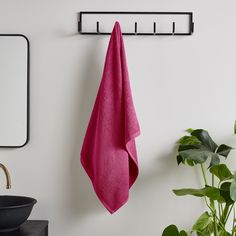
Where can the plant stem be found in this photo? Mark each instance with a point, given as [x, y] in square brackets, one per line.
[214, 219]
[204, 174]
[219, 210]
[226, 219]
[220, 223]
[233, 233]
[214, 209]
[212, 202]
[213, 180]
[224, 214]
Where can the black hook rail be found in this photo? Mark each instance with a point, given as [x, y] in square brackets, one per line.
[155, 30]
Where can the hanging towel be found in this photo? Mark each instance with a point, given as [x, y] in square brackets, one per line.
[109, 154]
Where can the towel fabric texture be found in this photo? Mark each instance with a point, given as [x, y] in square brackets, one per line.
[108, 153]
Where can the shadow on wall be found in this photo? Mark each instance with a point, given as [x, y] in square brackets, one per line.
[83, 199]
[153, 192]
[163, 168]
[160, 168]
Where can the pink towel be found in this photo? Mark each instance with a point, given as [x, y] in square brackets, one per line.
[109, 154]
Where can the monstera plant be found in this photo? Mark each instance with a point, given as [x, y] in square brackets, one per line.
[198, 150]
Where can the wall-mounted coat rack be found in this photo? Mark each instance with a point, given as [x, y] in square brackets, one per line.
[155, 24]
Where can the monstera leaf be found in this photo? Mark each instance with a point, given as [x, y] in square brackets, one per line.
[189, 140]
[210, 192]
[224, 150]
[172, 230]
[222, 172]
[204, 137]
[199, 156]
[233, 189]
[198, 147]
[202, 222]
[225, 192]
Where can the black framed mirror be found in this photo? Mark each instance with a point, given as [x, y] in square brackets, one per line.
[14, 90]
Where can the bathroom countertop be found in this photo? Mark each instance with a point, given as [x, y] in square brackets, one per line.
[34, 228]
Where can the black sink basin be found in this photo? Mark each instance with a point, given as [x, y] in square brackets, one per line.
[14, 211]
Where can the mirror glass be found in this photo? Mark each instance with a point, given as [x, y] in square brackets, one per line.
[14, 90]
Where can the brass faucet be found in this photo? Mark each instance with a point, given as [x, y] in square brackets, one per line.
[6, 172]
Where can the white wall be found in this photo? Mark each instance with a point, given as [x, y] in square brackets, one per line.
[177, 82]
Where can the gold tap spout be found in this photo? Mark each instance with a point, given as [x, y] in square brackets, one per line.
[6, 172]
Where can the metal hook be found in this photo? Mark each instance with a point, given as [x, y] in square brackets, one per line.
[173, 28]
[98, 27]
[135, 28]
[192, 27]
[154, 28]
[79, 26]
